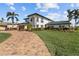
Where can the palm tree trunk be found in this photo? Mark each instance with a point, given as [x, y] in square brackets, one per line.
[75, 24]
[17, 24]
[69, 27]
[12, 26]
[13, 23]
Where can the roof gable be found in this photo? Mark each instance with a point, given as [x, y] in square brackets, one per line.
[40, 16]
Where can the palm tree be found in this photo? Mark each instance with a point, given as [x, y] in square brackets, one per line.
[70, 15]
[12, 16]
[2, 19]
[74, 14]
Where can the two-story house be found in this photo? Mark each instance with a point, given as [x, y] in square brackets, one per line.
[38, 21]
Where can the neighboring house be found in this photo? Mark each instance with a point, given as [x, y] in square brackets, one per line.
[59, 24]
[19, 26]
[3, 26]
[10, 26]
[22, 26]
[38, 21]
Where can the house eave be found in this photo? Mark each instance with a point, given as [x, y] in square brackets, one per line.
[39, 15]
[59, 23]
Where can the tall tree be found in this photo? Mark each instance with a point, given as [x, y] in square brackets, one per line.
[74, 14]
[70, 14]
[12, 16]
[2, 20]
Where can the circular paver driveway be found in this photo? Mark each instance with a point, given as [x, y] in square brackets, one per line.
[23, 43]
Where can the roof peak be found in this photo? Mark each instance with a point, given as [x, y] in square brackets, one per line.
[39, 15]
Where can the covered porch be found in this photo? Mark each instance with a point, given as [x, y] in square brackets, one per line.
[59, 25]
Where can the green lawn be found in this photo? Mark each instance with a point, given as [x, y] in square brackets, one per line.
[60, 43]
[4, 36]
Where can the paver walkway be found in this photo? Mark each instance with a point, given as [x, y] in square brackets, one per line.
[23, 43]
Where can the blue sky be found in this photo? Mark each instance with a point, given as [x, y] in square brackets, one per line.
[54, 11]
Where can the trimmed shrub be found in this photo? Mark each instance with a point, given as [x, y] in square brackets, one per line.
[36, 29]
[29, 26]
[77, 30]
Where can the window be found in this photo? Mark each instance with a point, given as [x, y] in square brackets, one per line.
[32, 19]
[33, 26]
[42, 20]
[37, 19]
[37, 26]
[45, 26]
[41, 26]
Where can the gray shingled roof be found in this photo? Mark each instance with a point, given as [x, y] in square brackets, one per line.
[39, 15]
[22, 23]
[59, 23]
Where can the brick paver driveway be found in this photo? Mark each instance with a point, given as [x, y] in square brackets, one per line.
[23, 43]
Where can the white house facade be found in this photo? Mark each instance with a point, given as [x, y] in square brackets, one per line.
[38, 21]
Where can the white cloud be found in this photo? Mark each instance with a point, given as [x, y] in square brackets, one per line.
[51, 5]
[53, 16]
[25, 15]
[77, 4]
[47, 6]
[12, 8]
[73, 5]
[38, 5]
[43, 10]
[65, 13]
[23, 8]
[57, 16]
[10, 4]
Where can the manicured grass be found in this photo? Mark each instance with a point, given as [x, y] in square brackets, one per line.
[4, 36]
[60, 43]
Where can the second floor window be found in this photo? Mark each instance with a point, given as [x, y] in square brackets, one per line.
[37, 19]
[32, 19]
[41, 20]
